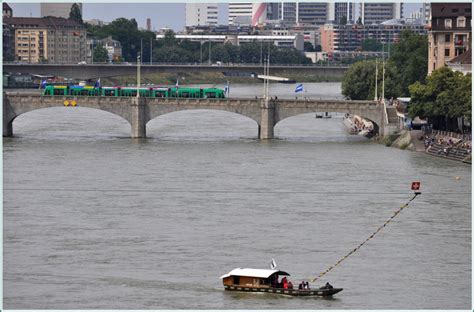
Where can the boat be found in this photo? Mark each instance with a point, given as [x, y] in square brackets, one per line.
[266, 281]
[358, 125]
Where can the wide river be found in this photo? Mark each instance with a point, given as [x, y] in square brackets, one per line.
[96, 220]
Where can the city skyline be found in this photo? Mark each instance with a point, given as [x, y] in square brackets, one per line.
[169, 15]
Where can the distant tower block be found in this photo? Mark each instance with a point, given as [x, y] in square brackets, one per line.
[148, 24]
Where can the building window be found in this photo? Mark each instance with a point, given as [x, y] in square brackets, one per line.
[446, 52]
[461, 22]
[448, 23]
[447, 38]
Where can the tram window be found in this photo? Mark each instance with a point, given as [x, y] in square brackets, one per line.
[84, 92]
[58, 92]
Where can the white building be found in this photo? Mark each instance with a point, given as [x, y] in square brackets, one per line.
[57, 9]
[376, 13]
[198, 14]
[240, 11]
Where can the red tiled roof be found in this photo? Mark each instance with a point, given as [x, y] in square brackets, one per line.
[465, 58]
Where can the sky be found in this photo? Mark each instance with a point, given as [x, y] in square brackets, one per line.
[170, 15]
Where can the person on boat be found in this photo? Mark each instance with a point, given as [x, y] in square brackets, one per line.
[284, 282]
[327, 286]
[290, 285]
[300, 286]
[307, 286]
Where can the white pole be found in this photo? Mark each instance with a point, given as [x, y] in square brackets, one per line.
[376, 75]
[383, 81]
[268, 71]
[138, 75]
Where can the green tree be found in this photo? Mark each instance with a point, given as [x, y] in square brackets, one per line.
[359, 81]
[410, 58]
[308, 47]
[100, 54]
[445, 97]
[75, 13]
[371, 44]
[343, 20]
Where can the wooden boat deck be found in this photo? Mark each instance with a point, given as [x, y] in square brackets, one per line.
[323, 292]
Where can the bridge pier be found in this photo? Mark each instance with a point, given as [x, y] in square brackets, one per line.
[7, 123]
[138, 117]
[267, 120]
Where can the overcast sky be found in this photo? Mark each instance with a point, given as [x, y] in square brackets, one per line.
[162, 14]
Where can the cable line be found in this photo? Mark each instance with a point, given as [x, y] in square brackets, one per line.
[363, 243]
[77, 190]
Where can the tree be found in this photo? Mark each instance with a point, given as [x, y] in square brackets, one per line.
[410, 58]
[343, 20]
[100, 54]
[445, 97]
[308, 47]
[75, 13]
[359, 81]
[371, 44]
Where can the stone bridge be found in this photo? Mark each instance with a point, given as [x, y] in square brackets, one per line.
[138, 111]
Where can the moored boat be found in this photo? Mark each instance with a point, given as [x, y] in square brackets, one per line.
[261, 280]
[358, 125]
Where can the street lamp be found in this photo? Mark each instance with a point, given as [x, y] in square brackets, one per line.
[138, 75]
[209, 51]
[201, 51]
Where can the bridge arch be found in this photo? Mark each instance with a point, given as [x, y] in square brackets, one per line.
[18, 104]
[366, 109]
[247, 108]
[84, 121]
[211, 122]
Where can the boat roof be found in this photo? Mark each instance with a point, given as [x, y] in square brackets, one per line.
[253, 273]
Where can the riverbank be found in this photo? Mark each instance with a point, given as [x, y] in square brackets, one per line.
[413, 141]
[205, 78]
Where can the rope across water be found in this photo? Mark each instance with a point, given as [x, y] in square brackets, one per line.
[369, 238]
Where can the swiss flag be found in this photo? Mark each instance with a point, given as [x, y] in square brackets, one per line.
[415, 186]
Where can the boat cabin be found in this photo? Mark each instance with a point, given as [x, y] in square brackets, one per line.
[252, 278]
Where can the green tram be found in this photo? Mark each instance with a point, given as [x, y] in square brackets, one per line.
[155, 92]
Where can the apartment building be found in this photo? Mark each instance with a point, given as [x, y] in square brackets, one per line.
[450, 33]
[240, 13]
[198, 14]
[376, 13]
[338, 38]
[50, 39]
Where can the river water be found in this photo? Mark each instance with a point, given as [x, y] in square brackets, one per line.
[96, 220]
